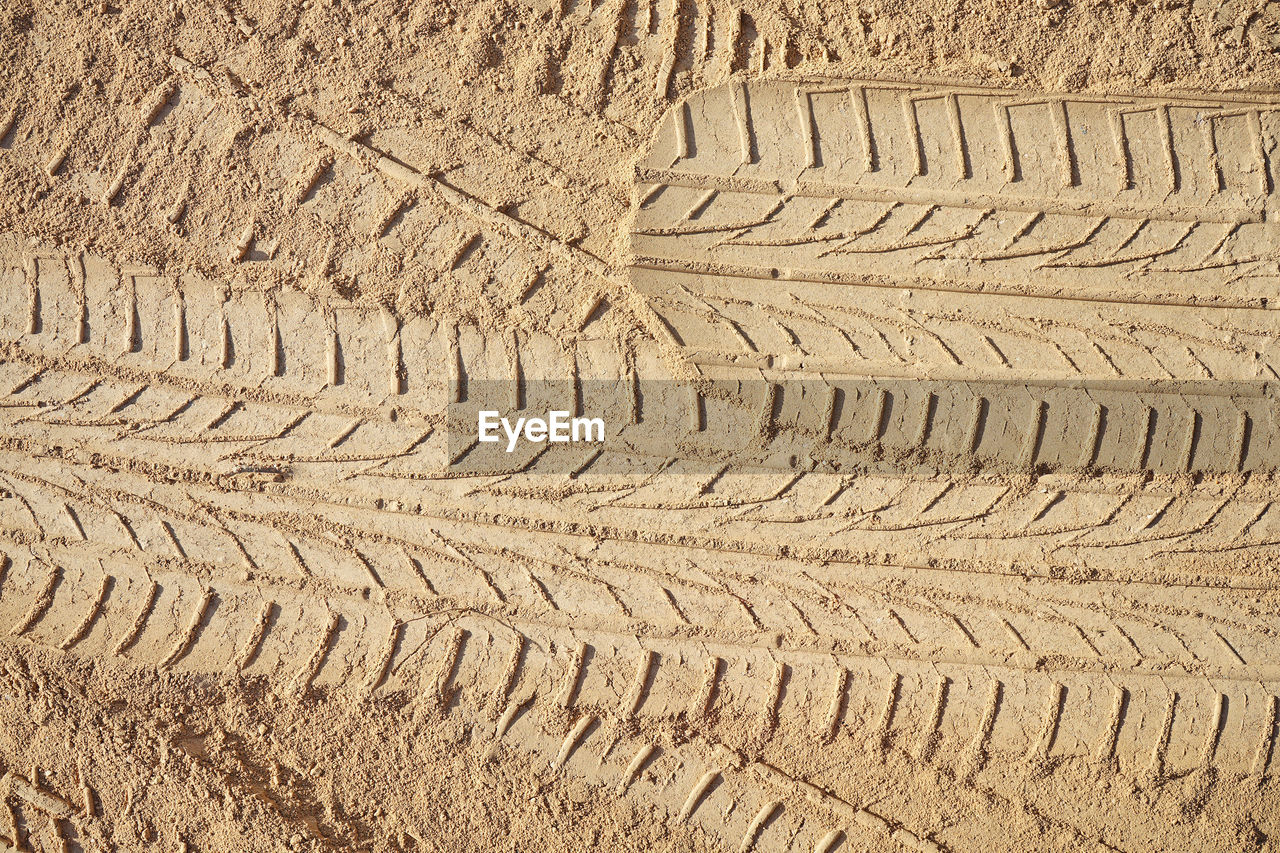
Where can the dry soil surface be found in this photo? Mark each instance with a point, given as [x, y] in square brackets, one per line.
[938, 353]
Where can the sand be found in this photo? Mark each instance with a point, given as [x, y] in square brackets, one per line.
[936, 345]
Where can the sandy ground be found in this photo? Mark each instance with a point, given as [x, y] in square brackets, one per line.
[936, 340]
